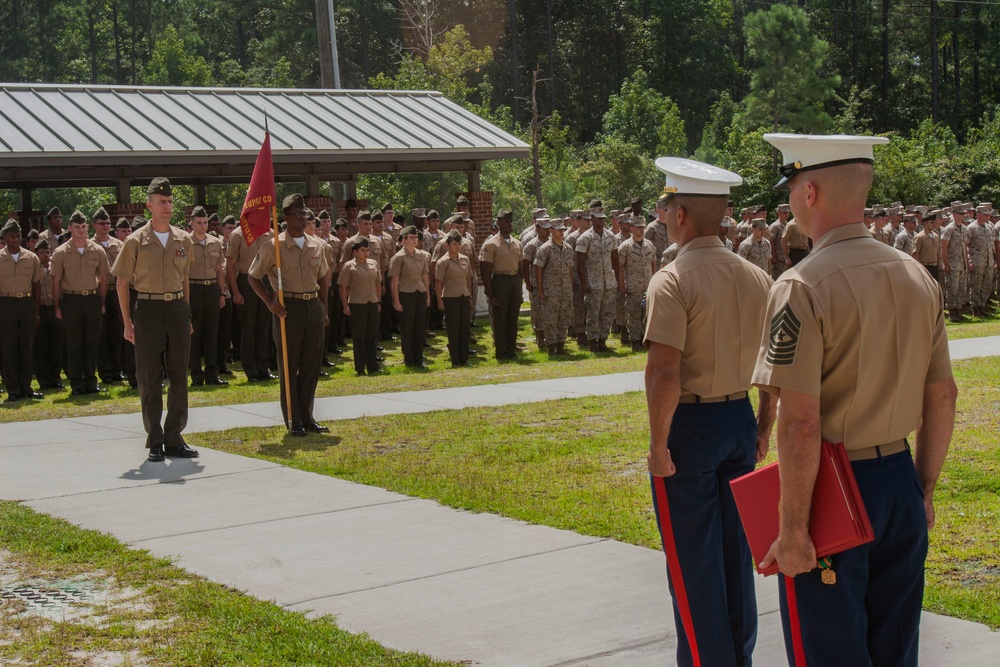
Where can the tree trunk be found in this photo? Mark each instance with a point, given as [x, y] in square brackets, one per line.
[92, 39]
[513, 61]
[885, 64]
[365, 62]
[935, 71]
[119, 38]
[535, 163]
[956, 66]
[976, 45]
[552, 66]
[855, 71]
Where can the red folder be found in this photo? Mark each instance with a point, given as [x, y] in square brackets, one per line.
[838, 519]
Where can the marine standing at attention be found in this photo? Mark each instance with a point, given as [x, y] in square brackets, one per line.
[158, 258]
[821, 329]
[705, 312]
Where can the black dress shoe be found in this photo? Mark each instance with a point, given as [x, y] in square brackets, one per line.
[155, 454]
[379, 348]
[297, 431]
[328, 363]
[197, 383]
[361, 374]
[324, 374]
[426, 344]
[225, 371]
[378, 358]
[13, 398]
[317, 428]
[336, 350]
[34, 394]
[218, 382]
[182, 452]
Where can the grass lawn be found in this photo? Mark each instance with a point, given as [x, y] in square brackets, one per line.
[579, 464]
[144, 611]
[532, 365]
[974, 328]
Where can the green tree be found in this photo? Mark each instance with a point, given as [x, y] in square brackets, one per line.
[173, 65]
[787, 87]
[645, 117]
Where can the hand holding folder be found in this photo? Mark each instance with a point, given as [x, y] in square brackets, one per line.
[838, 520]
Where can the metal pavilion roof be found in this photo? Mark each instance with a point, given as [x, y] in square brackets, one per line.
[52, 134]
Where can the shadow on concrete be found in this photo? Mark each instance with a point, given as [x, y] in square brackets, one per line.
[171, 471]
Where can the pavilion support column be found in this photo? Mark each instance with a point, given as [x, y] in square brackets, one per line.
[312, 186]
[199, 194]
[26, 200]
[123, 191]
[474, 179]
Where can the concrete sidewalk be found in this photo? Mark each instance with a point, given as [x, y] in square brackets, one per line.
[414, 574]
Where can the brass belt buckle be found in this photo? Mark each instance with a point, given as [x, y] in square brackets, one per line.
[168, 296]
[307, 297]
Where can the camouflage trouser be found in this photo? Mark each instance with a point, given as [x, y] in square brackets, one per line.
[600, 305]
[579, 325]
[535, 305]
[778, 269]
[633, 310]
[621, 316]
[956, 291]
[979, 286]
[555, 316]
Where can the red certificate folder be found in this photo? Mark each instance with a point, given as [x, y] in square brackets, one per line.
[838, 519]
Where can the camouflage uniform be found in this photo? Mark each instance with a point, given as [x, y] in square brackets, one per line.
[637, 260]
[528, 255]
[774, 233]
[956, 281]
[558, 264]
[757, 253]
[579, 324]
[656, 232]
[621, 315]
[670, 254]
[980, 250]
[600, 300]
[904, 241]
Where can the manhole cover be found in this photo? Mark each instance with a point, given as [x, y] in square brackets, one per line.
[48, 601]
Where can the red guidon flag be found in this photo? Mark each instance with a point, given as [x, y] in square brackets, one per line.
[255, 220]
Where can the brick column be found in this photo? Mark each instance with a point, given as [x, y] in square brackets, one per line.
[481, 212]
[128, 211]
[29, 220]
[319, 204]
[342, 211]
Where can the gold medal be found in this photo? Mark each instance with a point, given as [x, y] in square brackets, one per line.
[829, 577]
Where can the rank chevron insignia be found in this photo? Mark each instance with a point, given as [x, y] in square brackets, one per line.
[784, 337]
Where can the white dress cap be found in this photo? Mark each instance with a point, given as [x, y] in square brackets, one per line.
[803, 152]
[688, 177]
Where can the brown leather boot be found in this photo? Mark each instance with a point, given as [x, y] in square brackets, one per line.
[553, 350]
[624, 337]
[592, 345]
[561, 348]
[637, 346]
[602, 345]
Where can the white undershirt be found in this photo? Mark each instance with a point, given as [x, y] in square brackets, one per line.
[300, 241]
[163, 236]
[80, 250]
[16, 257]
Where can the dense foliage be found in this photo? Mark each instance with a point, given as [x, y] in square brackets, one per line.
[619, 81]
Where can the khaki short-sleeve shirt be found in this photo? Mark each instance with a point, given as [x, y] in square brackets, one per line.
[376, 249]
[301, 268]
[207, 256]
[794, 236]
[503, 254]
[926, 247]
[454, 275]
[156, 269]
[709, 303]
[362, 280]
[112, 249]
[243, 255]
[865, 353]
[410, 268]
[334, 257]
[79, 272]
[19, 276]
[46, 290]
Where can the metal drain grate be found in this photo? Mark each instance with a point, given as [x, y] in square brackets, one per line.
[51, 602]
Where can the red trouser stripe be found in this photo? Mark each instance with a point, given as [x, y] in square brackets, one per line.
[674, 566]
[794, 629]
